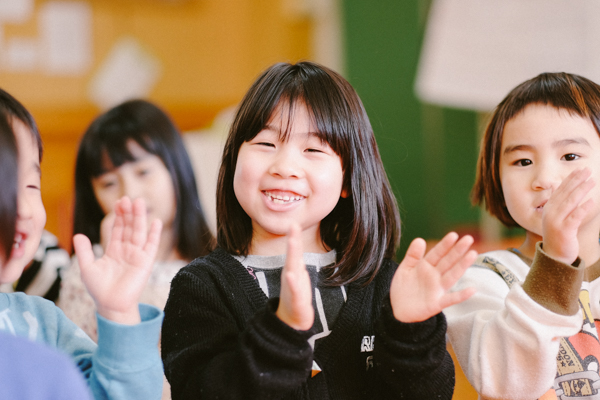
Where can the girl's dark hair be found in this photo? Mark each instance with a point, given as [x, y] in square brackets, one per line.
[148, 126]
[8, 183]
[12, 108]
[363, 228]
[574, 93]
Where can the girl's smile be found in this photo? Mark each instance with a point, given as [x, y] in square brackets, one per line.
[31, 215]
[282, 179]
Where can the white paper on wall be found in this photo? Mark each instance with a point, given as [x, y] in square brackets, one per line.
[129, 71]
[16, 11]
[65, 34]
[20, 54]
[474, 52]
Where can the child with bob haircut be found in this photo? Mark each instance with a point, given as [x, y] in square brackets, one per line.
[125, 364]
[301, 299]
[135, 150]
[531, 329]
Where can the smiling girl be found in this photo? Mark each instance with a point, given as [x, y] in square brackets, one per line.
[301, 299]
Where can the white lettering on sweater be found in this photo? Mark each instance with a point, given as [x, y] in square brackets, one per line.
[368, 344]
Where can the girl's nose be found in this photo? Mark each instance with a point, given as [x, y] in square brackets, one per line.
[546, 178]
[131, 188]
[24, 209]
[285, 165]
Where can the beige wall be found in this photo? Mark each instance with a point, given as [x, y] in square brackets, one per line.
[209, 50]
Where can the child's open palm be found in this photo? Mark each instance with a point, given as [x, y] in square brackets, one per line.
[295, 299]
[116, 280]
[421, 285]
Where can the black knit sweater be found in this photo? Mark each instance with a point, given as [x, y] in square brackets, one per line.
[221, 339]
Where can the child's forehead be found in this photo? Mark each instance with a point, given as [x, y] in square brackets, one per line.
[539, 124]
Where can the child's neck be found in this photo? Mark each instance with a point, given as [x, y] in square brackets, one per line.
[273, 245]
[167, 249]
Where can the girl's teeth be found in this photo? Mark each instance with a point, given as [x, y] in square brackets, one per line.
[283, 199]
[18, 239]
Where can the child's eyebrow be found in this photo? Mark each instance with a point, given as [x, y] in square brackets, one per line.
[566, 142]
[517, 147]
[558, 143]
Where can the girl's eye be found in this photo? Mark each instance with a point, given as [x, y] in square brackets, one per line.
[570, 157]
[268, 144]
[314, 151]
[523, 162]
[143, 172]
[107, 185]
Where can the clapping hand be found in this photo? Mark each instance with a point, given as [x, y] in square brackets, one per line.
[421, 285]
[116, 280]
[295, 300]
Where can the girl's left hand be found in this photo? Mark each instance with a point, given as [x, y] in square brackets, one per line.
[116, 280]
[295, 298]
[421, 285]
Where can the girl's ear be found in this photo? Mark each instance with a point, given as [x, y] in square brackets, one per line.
[344, 193]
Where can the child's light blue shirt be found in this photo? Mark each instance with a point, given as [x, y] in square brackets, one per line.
[125, 364]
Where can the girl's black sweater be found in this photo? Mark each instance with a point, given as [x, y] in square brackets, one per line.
[221, 339]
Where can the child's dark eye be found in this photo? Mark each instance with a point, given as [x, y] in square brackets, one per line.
[570, 157]
[523, 162]
[314, 151]
[266, 144]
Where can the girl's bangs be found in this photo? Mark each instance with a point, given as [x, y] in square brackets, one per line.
[326, 123]
[111, 151]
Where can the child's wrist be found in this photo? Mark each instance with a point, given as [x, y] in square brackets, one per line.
[125, 317]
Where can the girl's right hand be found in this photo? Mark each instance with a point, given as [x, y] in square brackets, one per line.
[295, 300]
[106, 227]
[563, 215]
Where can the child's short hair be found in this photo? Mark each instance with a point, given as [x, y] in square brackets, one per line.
[148, 126]
[574, 93]
[8, 183]
[363, 228]
[12, 108]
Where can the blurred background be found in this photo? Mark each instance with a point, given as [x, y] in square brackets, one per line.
[69, 60]
[428, 71]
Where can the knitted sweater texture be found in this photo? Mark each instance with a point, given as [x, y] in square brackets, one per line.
[221, 339]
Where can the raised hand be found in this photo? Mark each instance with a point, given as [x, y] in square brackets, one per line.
[563, 215]
[295, 299]
[116, 280]
[421, 285]
[105, 228]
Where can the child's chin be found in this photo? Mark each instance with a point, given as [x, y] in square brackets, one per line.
[11, 271]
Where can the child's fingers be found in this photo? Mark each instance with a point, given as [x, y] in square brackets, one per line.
[572, 190]
[124, 209]
[453, 274]
[414, 253]
[578, 214]
[151, 246]
[294, 259]
[453, 298]
[455, 253]
[438, 251]
[116, 233]
[83, 250]
[139, 232]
